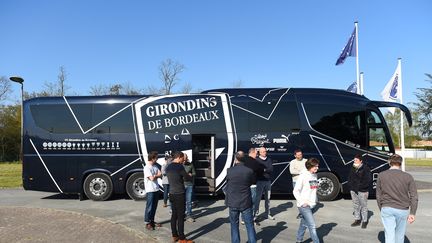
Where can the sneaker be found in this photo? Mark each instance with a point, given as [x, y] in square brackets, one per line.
[190, 219]
[257, 223]
[364, 225]
[165, 205]
[175, 239]
[186, 241]
[149, 226]
[356, 223]
[271, 217]
[157, 224]
[194, 204]
[242, 222]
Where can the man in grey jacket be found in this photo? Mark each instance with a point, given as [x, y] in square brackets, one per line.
[396, 195]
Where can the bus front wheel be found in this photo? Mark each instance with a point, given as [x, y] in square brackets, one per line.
[329, 186]
[135, 186]
[98, 186]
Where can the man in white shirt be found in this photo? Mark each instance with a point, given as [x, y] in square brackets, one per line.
[297, 165]
[151, 173]
[305, 192]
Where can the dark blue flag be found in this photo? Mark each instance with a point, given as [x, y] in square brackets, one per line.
[349, 49]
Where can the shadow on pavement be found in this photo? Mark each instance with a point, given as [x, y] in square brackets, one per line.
[203, 230]
[381, 238]
[323, 231]
[281, 208]
[270, 232]
[61, 196]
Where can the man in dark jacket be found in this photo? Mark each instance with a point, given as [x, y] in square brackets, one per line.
[238, 198]
[258, 169]
[359, 181]
[264, 183]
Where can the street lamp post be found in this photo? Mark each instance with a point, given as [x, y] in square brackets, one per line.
[21, 81]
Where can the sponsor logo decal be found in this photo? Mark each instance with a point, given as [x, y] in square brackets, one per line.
[81, 144]
[260, 139]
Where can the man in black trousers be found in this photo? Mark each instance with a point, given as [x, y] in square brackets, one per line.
[176, 176]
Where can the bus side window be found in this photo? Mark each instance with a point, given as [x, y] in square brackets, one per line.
[377, 140]
[373, 118]
[344, 123]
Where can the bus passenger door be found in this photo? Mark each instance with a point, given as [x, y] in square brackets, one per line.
[203, 158]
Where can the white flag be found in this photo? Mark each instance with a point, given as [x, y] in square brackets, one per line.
[353, 87]
[392, 91]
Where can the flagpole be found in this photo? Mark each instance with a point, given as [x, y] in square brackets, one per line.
[402, 136]
[359, 84]
[361, 81]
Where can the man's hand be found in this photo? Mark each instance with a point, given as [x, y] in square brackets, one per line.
[411, 218]
[305, 205]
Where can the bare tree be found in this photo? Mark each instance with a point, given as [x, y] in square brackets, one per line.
[152, 90]
[129, 89]
[115, 89]
[4, 87]
[61, 80]
[237, 83]
[57, 88]
[99, 89]
[168, 73]
[187, 88]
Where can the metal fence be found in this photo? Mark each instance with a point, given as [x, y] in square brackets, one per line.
[416, 153]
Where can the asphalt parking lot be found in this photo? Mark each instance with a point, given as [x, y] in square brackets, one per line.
[125, 219]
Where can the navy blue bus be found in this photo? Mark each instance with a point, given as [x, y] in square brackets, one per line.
[97, 145]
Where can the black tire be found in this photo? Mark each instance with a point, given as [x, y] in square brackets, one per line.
[329, 186]
[98, 186]
[135, 187]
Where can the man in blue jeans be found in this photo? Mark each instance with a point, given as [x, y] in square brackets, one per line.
[151, 174]
[396, 195]
[305, 192]
[190, 170]
[238, 198]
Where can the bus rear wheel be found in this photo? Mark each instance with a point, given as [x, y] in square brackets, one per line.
[135, 186]
[98, 186]
[329, 186]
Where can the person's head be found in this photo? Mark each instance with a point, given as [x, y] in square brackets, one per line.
[252, 153]
[395, 160]
[239, 157]
[168, 158]
[178, 157]
[152, 157]
[263, 152]
[312, 165]
[358, 159]
[298, 154]
[185, 159]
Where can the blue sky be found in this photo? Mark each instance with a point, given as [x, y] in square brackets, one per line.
[262, 43]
